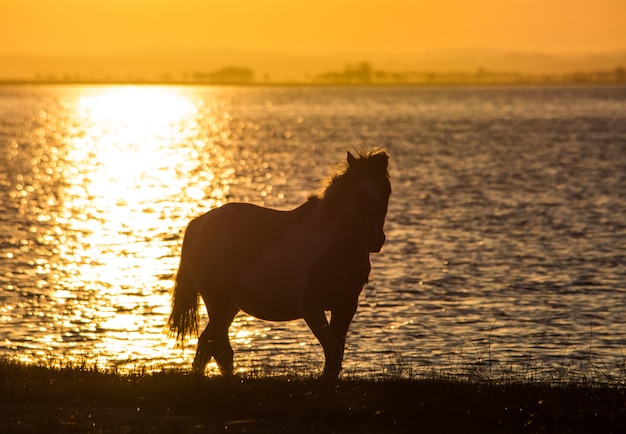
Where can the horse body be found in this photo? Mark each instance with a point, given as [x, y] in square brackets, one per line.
[262, 256]
[283, 265]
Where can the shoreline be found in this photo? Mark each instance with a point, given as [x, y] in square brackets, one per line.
[83, 399]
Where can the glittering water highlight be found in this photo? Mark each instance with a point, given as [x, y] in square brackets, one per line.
[506, 230]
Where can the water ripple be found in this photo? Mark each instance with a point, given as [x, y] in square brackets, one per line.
[506, 230]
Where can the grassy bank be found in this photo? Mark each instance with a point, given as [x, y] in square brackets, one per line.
[83, 399]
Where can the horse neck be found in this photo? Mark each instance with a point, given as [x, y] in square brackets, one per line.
[337, 208]
[335, 198]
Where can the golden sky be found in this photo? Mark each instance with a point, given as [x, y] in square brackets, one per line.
[311, 27]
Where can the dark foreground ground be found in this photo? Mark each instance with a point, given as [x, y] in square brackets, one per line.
[83, 400]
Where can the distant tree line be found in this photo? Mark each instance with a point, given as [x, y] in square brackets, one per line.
[365, 74]
[227, 75]
[362, 74]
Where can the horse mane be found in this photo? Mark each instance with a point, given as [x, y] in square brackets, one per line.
[371, 163]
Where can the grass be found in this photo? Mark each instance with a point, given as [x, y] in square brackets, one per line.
[84, 399]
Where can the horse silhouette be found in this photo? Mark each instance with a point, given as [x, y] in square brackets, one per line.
[284, 265]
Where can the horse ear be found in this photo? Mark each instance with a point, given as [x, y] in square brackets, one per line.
[383, 160]
[351, 160]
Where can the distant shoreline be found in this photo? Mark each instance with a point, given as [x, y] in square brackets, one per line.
[308, 84]
[362, 74]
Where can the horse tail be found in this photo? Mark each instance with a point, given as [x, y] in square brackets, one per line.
[183, 320]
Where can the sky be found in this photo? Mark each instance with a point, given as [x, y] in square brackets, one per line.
[320, 27]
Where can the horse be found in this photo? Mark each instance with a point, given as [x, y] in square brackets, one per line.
[280, 265]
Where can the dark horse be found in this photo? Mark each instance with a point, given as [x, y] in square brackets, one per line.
[284, 265]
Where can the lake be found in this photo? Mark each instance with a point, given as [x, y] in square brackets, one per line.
[506, 232]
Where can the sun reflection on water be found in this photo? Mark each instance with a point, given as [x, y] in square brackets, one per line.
[100, 189]
[98, 183]
[126, 197]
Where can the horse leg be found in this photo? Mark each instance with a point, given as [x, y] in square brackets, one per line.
[340, 320]
[214, 342]
[203, 353]
[318, 324]
[222, 350]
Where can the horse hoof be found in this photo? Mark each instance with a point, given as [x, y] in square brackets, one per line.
[198, 368]
[331, 374]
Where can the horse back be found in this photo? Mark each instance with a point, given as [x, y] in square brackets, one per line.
[235, 232]
[248, 253]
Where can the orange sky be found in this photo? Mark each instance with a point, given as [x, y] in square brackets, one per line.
[311, 27]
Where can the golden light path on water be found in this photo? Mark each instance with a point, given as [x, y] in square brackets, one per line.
[100, 189]
[502, 246]
[127, 196]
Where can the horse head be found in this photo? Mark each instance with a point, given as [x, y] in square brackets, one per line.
[370, 196]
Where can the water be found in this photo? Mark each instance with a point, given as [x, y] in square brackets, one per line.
[506, 229]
